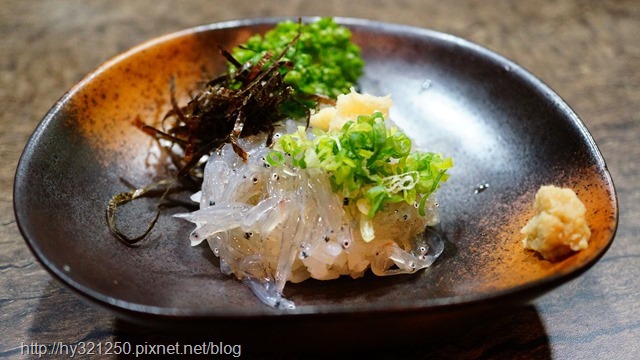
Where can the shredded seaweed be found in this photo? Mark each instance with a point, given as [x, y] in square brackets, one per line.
[245, 102]
[230, 106]
[125, 197]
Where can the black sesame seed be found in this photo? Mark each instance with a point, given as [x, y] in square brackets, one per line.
[326, 238]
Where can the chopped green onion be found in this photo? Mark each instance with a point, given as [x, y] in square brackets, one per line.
[325, 60]
[370, 164]
[275, 158]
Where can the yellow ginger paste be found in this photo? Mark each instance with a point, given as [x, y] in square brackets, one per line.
[348, 107]
[559, 226]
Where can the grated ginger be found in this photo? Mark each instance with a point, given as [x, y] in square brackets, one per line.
[349, 107]
[559, 226]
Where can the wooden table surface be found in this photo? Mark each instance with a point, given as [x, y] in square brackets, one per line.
[588, 52]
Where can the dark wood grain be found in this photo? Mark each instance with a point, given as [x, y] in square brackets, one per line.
[586, 51]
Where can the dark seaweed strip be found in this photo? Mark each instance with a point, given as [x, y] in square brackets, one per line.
[125, 197]
[227, 108]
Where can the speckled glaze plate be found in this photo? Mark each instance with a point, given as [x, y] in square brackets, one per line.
[507, 132]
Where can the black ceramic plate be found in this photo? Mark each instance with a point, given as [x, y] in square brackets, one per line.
[501, 125]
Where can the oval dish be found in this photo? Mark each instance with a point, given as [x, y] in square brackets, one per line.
[503, 127]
